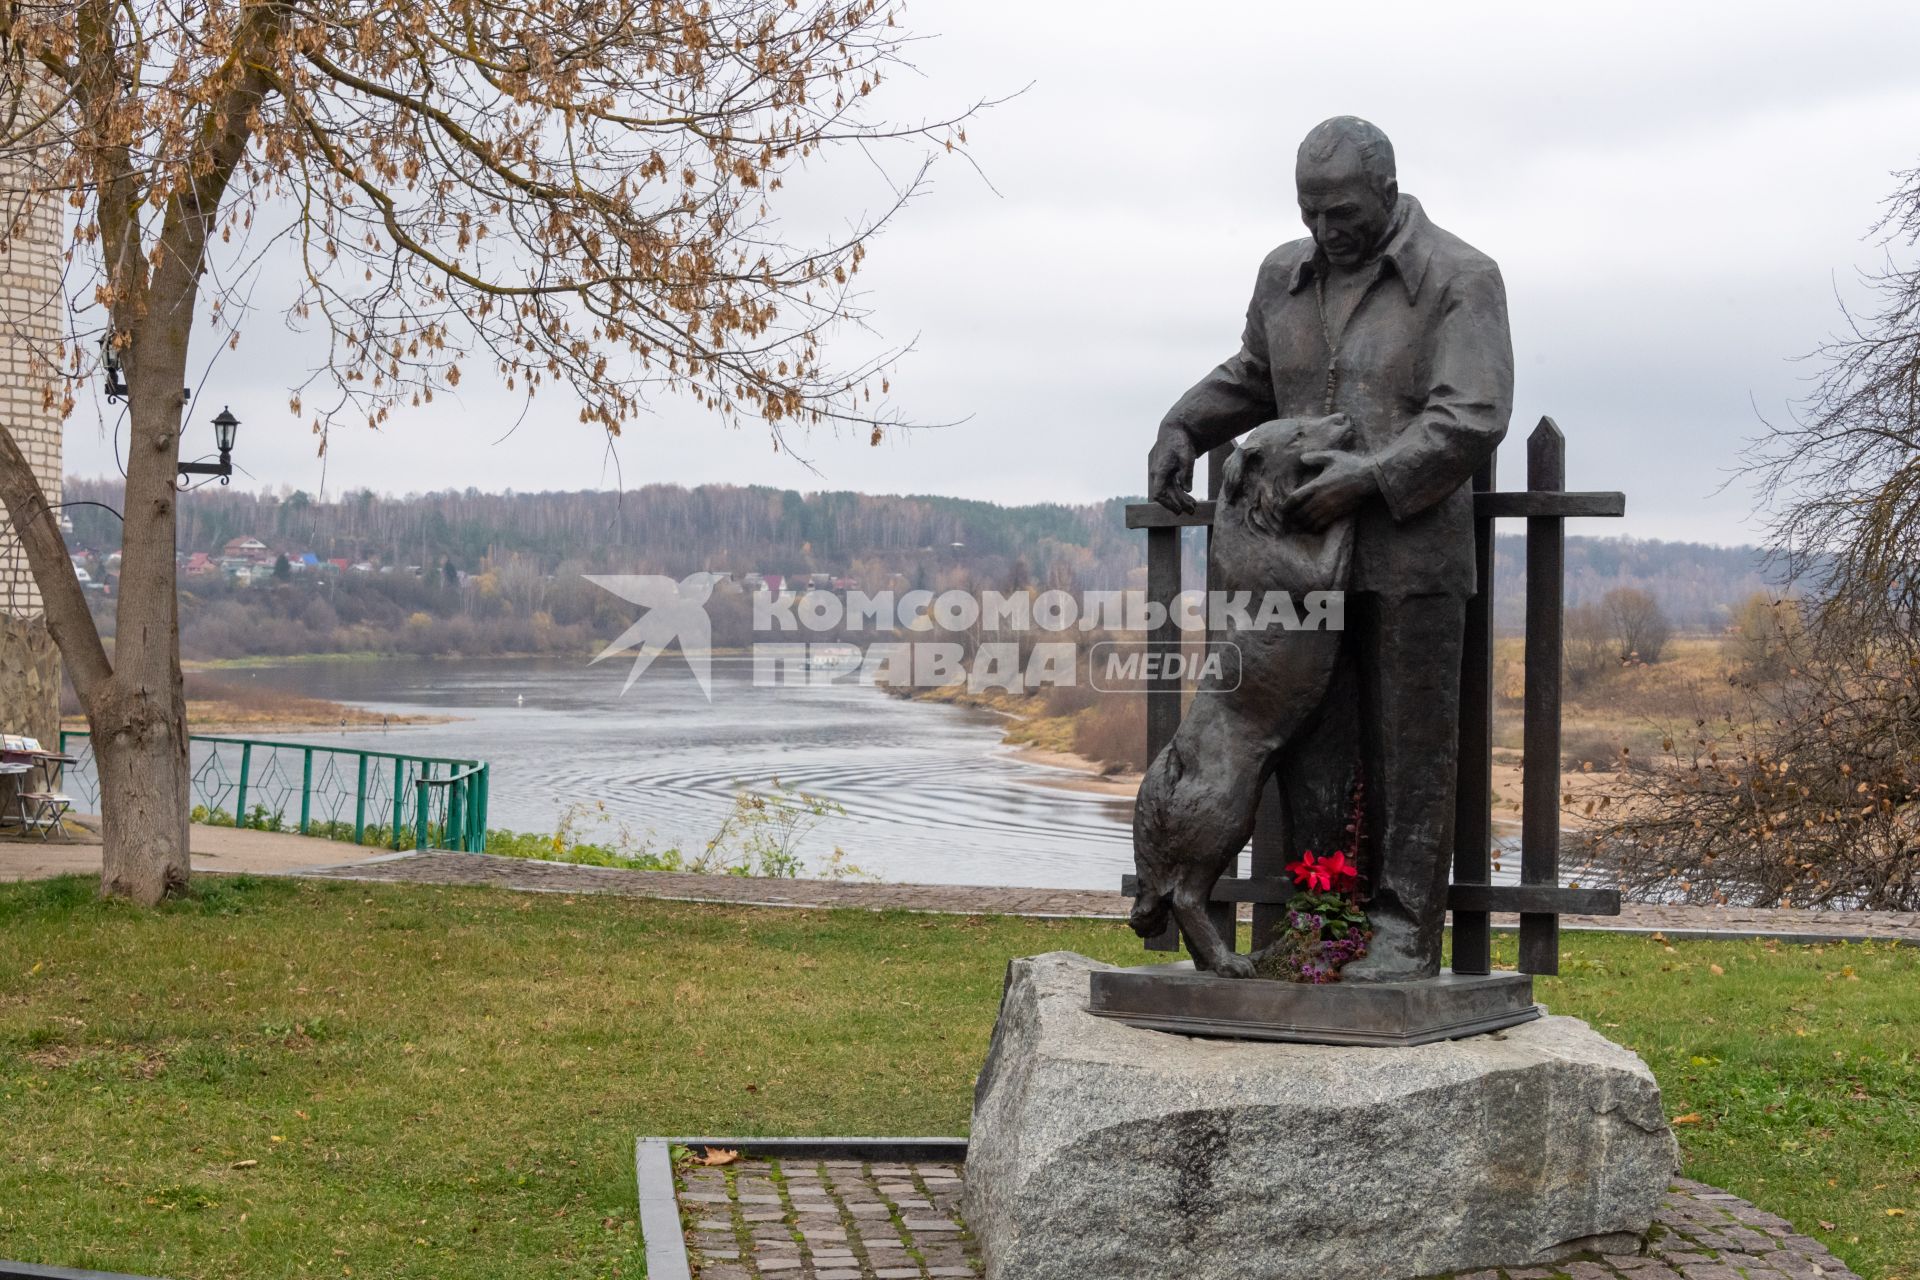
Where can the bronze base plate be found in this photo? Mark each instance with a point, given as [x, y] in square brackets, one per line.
[1186, 1001]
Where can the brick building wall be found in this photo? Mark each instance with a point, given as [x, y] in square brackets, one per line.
[32, 323]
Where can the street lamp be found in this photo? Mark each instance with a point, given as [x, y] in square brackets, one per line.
[110, 364]
[114, 365]
[224, 429]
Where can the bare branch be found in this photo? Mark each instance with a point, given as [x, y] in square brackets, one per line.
[38, 530]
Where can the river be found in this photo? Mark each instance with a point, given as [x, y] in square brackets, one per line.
[930, 795]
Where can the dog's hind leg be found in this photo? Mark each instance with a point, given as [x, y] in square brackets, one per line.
[1206, 816]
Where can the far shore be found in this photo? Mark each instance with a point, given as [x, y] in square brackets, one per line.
[217, 703]
[363, 655]
[1070, 772]
[203, 718]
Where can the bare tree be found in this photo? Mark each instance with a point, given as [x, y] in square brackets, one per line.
[1809, 793]
[1803, 794]
[1767, 635]
[1639, 628]
[1588, 645]
[1842, 476]
[572, 192]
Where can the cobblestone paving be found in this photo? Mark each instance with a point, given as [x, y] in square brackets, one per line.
[825, 1220]
[560, 877]
[844, 1220]
[1702, 1234]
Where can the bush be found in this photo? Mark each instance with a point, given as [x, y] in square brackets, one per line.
[1592, 751]
[1587, 647]
[1803, 798]
[1640, 629]
[1113, 732]
[1765, 633]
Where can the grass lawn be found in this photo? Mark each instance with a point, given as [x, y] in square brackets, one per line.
[281, 1078]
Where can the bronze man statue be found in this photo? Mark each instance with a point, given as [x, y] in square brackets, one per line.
[1400, 326]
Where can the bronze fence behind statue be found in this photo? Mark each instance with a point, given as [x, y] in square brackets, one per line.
[1538, 898]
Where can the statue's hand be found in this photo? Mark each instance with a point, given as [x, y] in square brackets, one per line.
[1170, 472]
[1345, 481]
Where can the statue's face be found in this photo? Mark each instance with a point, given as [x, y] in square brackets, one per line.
[1346, 214]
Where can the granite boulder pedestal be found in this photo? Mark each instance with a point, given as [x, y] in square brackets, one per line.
[1102, 1151]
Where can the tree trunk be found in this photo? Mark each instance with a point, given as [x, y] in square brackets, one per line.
[135, 703]
[139, 720]
[141, 758]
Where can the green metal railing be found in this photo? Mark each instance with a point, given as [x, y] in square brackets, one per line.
[343, 793]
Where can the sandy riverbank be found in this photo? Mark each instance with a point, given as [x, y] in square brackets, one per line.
[233, 704]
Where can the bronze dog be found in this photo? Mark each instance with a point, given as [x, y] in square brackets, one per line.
[1196, 805]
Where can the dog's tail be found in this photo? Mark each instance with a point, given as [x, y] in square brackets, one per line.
[1152, 903]
[1150, 911]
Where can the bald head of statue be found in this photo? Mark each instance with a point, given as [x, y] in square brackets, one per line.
[1345, 179]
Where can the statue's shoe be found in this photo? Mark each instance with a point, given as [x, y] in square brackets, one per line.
[1388, 959]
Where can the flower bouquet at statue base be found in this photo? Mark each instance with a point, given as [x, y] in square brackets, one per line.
[1325, 927]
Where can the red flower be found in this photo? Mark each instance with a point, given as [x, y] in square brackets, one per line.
[1339, 869]
[1315, 873]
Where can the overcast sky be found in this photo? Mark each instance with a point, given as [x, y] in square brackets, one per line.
[1675, 193]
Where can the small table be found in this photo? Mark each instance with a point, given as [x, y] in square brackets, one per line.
[11, 768]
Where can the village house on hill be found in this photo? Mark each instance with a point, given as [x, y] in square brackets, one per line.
[242, 551]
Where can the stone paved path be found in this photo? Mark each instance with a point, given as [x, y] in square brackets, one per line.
[843, 1220]
[560, 877]
[213, 849]
[825, 1220]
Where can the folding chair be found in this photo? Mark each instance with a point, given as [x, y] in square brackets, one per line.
[41, 810]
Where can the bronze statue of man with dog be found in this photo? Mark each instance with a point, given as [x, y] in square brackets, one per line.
[1388, 336]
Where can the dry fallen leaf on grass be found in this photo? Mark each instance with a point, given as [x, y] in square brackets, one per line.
[243, 1164]
[717, 1155]
[1692, 1117]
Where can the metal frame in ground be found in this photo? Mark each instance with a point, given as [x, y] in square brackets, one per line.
[1699, 1232]
[29, 1271]
[670, 1258]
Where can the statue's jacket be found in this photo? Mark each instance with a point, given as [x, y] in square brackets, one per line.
[1425, 371]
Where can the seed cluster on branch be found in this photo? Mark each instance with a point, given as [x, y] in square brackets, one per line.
[576, 192]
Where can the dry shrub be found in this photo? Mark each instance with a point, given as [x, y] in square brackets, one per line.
[1589, 652]
[1639, 628]
[1113, 732]
[1764, 635]
[1592, 750]
[1070, 699]
[1805, 797]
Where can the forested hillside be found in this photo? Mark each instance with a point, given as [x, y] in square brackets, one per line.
[661, 528]
[1698, 586]
[494, 572]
